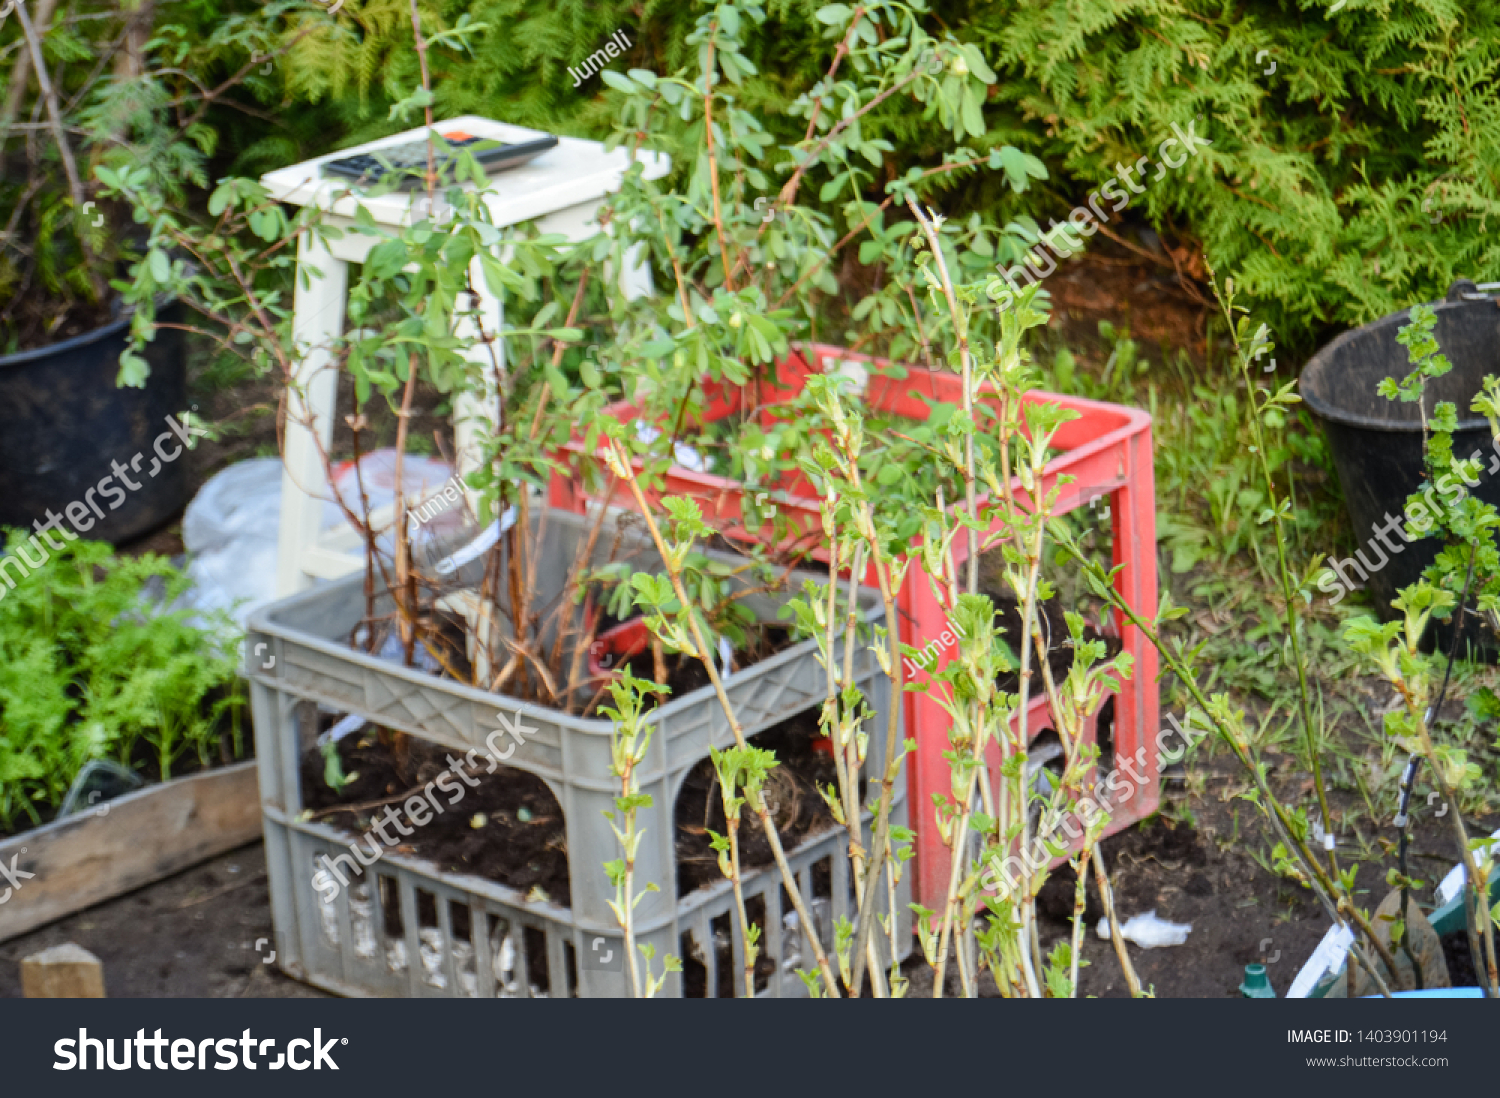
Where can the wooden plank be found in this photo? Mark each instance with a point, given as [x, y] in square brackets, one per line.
[142, 837]
[62, 972]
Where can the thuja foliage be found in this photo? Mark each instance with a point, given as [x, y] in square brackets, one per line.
[516, 69]
[90, 668]
[1357, 177]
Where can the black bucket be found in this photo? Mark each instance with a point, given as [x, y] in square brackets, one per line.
[1377, 443]
[63, 423]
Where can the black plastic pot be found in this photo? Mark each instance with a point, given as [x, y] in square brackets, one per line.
[1377, 443]
[63, 423]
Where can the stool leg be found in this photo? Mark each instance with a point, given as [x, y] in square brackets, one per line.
[472, 410]
[317, 320]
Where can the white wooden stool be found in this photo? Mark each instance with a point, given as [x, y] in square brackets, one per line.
[561, 191]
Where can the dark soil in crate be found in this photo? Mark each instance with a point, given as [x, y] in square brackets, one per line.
[685, 673]
[521, 840]
[731, 982]
[791, 793]
[1054, 626]
[1460, 960]
[798, 810]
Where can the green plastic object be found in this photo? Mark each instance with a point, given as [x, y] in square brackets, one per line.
[1450, 916]
[1257, 984]
[1444, 920]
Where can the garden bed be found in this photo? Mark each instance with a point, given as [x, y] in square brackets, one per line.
[511, 830]
[128, 842]
[104, 689]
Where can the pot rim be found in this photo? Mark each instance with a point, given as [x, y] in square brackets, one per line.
[21, 358]
[1321, 361]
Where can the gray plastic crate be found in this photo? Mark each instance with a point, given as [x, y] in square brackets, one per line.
[406, 934]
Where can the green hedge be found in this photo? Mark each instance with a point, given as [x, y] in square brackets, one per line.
[1355, 179]
[1325, 177]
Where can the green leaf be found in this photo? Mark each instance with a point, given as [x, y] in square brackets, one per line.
[973, 115]
[977, 64]
[133, 370]
[385, 259]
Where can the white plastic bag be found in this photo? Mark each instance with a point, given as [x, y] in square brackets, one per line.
[1149, 932]
[230, 530]
[231, 526]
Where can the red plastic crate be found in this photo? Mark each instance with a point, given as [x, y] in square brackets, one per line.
[1107, 450]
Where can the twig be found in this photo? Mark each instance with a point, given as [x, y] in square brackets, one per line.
[216, 893]
[622, 467]
[64, 148]
[1107, 898]
[20, 75]
[713, 164]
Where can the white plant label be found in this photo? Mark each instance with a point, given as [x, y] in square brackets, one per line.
[1331, 950]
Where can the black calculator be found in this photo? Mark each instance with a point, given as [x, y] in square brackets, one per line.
[406, 165]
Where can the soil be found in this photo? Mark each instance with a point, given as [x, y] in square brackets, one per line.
[791, 794]
[193, 935]
[1054, 626]
[1460, 959]
[1202, 872]
[686, 673]
[41, 320]
[521, 841]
